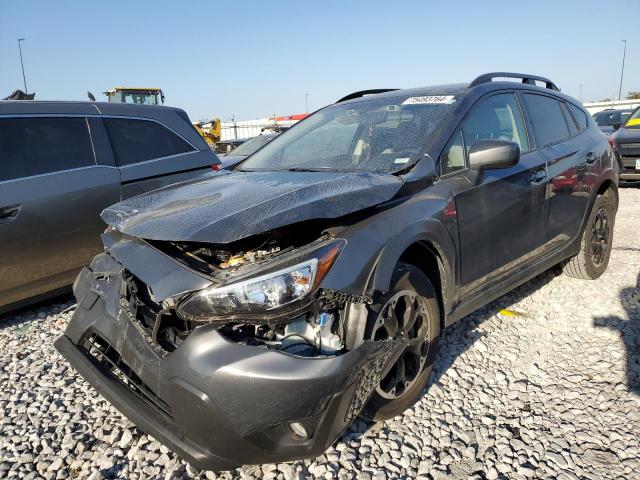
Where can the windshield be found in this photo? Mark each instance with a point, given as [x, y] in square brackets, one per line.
[141, 98]
[634, 120]
[376, 135]
[251, 145]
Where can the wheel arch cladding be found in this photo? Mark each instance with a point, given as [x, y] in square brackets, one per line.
[423, 256]
[426, 245]
[609, 185]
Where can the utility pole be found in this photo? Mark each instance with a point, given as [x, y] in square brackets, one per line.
[24, 79]
[580, 93]
[306, 101]
[624, 54]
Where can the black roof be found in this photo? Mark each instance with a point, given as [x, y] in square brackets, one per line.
[8, 107]
[481, 84]
[175, 118]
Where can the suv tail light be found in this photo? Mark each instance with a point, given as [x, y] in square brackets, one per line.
[216, 166]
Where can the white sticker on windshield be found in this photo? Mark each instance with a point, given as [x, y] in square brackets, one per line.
[401, 160]
[431, 99]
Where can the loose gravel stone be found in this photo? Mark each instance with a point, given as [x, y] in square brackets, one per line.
[550, 392]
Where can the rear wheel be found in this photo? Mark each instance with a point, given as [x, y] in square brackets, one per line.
[410, 308]
[597, 238]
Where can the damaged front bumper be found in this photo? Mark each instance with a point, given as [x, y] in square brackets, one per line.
[217, 403]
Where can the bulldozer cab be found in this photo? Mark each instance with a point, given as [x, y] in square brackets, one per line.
[140, 96]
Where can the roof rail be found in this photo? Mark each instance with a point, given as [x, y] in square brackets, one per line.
[362, 93]
[528, 79]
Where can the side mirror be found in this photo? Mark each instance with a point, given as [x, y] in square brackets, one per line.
[488, 154]
[422, 174]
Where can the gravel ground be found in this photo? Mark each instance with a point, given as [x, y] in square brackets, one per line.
[552, 391]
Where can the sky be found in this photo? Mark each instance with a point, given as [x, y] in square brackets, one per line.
[253, 59]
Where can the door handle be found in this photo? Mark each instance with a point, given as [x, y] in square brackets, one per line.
[591, 158]
[538, 176]
[8, 214]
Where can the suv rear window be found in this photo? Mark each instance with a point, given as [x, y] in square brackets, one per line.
[141, 140]
[604, 119]
[549, 125]
[579, 115]
[37, 145]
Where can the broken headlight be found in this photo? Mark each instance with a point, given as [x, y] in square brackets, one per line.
[263, 294]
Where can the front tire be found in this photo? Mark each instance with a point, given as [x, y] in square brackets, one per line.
[411, 308]
[597, 239]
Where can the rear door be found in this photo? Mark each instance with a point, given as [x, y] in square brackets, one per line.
[571, 158]
[501, 212]
[151, 155]
[51, 194]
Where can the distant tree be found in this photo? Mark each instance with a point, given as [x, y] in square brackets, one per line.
[633, 95]
[606, 99]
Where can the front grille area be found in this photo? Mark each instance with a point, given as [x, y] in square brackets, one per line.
[111, 364]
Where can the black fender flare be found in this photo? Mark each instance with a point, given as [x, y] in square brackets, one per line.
[608, 177]
[432, 235]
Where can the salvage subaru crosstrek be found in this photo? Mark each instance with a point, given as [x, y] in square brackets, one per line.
[251, 316]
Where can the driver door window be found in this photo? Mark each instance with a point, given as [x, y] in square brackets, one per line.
[496, 118]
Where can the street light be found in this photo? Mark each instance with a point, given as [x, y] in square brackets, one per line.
[24, 79]
[624, 54]
[306, 101]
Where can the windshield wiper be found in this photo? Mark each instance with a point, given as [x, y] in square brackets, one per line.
[308, 169]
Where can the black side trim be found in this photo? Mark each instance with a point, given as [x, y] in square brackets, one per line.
[163, 174]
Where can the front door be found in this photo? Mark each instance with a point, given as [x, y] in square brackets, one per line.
[501, 212]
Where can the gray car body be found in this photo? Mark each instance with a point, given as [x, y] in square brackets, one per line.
[50, 226]
[475, 234]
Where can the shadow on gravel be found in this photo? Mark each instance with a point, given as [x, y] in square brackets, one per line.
[51, 306]
[461, 335]
[629, 332]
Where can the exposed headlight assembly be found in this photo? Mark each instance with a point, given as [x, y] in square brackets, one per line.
[264, 295]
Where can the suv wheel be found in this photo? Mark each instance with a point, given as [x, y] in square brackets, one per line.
[596, 243]
[410, 308]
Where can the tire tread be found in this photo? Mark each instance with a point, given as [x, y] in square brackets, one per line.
[578, 265]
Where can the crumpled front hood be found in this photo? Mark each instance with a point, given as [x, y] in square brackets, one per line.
[229, 206]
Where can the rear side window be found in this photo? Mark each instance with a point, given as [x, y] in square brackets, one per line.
[141, 140]
[579, 115]
[33, 146]
[547, 119]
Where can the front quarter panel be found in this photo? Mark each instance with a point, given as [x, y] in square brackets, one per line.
[375, 244]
